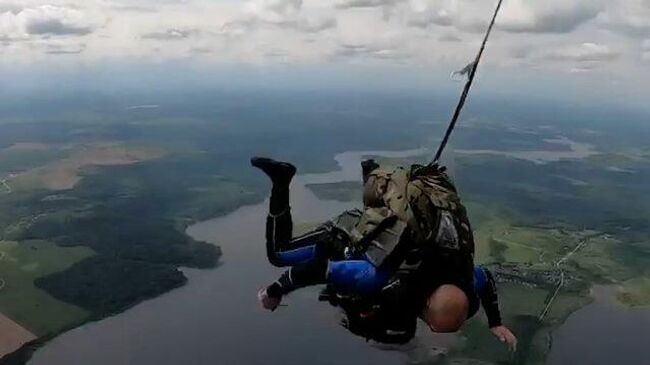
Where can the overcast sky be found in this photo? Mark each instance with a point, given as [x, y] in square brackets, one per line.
[593, 40]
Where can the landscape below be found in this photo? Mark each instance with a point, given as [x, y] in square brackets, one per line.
[93, 208]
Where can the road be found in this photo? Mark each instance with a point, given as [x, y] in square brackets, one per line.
[558, 265]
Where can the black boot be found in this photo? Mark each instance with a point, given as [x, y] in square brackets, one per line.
[279, 172]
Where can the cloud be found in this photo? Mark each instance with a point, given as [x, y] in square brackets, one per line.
[423, 19]
[279, 14]
[56, 27]
[630, 17]
[45, 20]
[575, 58]
[346, 4]
[276, 53]
[60, 49]
[584, 67]
[645, 57]
[520, 16]
[419, 32]
[133, 8]
[200, 50]
[273, 10]
[585, 52]
[171, 34]
[311, 25]
[449, 37]
[520, 52]
[517, 16]
[378, 50]
[8, 7]
[303, 25]
[645, 49]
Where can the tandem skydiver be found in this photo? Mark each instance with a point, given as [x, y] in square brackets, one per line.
[409, 254]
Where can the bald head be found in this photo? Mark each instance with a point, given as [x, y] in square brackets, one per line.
[446, 309]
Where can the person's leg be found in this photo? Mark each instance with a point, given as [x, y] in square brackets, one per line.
[299, 276]
[281, 249]
[313, 272]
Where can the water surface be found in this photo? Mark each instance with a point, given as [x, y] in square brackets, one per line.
[603, 333]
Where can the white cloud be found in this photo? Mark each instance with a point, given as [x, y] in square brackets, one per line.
[533, 35]
[274, 10]
[645, 57]
[171, 34]
[450, 37]
[585, 52]
[575, 58]
[64, 49]
[44, 20]
[369, 51]
[517, 16]
[631, 17]
[426, 18]
[278, 14]
[346, 4]
[549, 16]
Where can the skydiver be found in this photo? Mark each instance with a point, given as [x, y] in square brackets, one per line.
[382, 301]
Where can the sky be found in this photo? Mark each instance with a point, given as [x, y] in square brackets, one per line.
[589, 46]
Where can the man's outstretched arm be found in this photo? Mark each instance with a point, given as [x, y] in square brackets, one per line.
[487, 292]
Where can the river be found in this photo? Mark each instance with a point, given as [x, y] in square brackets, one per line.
[603, 333]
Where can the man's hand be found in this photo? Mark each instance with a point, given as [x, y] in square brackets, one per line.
[266, 301]
[506, 336]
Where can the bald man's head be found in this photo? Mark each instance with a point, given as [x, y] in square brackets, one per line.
[446, 309]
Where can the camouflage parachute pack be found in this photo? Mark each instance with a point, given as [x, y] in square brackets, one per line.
[420, 201]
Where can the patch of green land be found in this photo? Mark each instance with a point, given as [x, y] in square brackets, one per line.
[20, 157]
[114, 237]
[33, 308]
[635, 292]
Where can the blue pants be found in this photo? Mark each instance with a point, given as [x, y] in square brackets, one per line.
[315, 258]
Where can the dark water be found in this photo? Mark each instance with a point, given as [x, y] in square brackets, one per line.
[603, 333]
[215, 319]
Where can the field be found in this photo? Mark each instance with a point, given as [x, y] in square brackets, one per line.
[12, 335]
[21, 156]
[65, 173]
[635, 293]
[26, 304]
